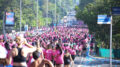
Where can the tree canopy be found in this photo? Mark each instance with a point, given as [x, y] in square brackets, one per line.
[89, 14]
[29, 11]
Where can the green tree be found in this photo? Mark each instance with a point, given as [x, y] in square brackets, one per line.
[89, 15]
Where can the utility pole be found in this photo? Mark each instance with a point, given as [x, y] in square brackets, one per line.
[37, 16]
[4, 32]
[20, 14]
[55, 11]
[55, 23]
[47, 14]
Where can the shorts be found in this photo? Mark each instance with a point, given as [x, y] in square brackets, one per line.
[67, 62]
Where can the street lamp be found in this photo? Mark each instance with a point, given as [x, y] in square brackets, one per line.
[55, 14]
[47, 14]
[37, 16]
[55, 11]
[20, 14]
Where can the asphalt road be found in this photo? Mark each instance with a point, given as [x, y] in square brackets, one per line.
[90, 62]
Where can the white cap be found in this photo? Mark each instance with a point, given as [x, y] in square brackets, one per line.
[3, 52]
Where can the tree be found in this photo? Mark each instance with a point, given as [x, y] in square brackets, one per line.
[89, 15]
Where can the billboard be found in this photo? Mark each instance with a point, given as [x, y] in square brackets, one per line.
[104, 19]
[9, 21]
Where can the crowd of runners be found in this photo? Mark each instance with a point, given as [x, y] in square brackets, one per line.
[54, 48]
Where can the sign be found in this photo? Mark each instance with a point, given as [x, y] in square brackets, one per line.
[104, 19]
[116, 10]
[9, 19]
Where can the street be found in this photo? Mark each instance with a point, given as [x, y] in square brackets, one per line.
[89, 62]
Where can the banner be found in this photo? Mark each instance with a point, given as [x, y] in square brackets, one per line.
[9, 19]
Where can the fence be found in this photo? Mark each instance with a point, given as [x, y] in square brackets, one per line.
[106, 53]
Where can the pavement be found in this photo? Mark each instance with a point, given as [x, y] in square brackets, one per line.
[91, 62]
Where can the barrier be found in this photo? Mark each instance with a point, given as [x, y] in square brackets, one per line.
[106, 53]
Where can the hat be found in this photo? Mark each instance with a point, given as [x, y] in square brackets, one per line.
[3, 52]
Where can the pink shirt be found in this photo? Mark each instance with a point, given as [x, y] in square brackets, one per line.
[2, 44]
[11, 44]
[58, 57]
[67, 47]
[29, 62]
[72, 51]
[8, 54]
[48, 54]
[30, 43]
[63, 47]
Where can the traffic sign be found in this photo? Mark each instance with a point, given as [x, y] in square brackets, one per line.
[116, 10]
[104, 19]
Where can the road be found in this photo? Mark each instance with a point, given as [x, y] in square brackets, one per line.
[90, 62]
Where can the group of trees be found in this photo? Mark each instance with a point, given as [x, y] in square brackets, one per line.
[88, 12]
[29, 11]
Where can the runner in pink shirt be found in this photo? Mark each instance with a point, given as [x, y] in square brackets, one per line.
[49, 53]
[72, 52]
[58, 56]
